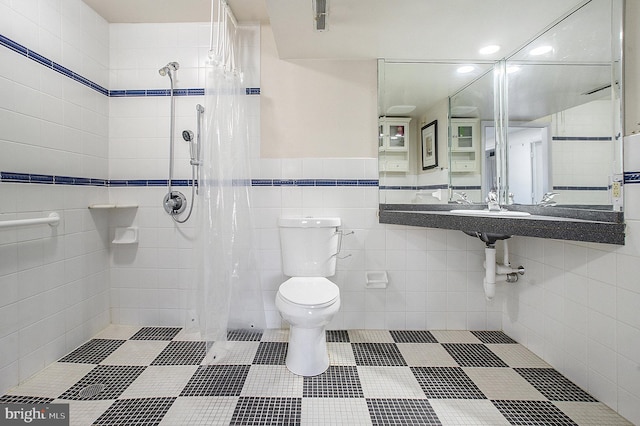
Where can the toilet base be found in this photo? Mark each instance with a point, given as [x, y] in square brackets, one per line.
[307, 353]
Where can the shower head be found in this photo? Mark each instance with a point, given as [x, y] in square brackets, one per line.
[171, 66]
[187, 135]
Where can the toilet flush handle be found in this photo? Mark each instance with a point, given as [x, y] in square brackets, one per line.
[341, 234]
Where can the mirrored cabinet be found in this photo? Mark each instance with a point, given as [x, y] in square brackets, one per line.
[393, 144]
[465, 142]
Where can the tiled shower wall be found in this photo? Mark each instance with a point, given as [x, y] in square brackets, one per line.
[54, 282]
[435, 275]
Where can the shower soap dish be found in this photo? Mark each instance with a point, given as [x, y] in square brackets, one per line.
[376, 279]
[127, 235]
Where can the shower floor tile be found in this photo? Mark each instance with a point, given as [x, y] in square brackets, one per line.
[156, 333]
[94, 351]
[181, 353]
[135, 352]
[169, 376]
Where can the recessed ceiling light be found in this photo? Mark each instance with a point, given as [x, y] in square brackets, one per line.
[400, 109]
[465, 69]
[488, 50]
[541, 50]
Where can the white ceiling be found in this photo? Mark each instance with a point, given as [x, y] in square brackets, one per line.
[136, 11]
[366, 29]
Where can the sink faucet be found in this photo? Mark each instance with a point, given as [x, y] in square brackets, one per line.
[547, 199]
[492, 201]
[463, 198]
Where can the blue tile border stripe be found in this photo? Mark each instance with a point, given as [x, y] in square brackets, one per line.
[581, 138]
[629, 178]
[12, 177]
[42, 60]
[15, 177]
[416, 187]
[580, 188]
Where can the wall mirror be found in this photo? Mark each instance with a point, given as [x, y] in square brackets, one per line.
[558, 97]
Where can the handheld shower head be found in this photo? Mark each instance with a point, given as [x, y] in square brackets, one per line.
[171, 66]
[187, 135]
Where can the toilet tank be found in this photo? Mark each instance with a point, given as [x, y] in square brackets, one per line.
[309, 246]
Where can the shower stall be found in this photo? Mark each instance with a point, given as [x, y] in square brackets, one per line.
[226, 290]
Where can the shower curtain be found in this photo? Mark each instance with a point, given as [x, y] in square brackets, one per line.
[228, 292]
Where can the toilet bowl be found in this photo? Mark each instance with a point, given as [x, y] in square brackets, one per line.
[308, 301]
[308, 304]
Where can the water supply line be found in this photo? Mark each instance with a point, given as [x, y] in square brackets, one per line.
[495, 271]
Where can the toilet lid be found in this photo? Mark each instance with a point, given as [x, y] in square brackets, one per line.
[312, 291]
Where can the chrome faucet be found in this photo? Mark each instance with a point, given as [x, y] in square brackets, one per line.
[463, 198]
[547, 199]
[492, 201]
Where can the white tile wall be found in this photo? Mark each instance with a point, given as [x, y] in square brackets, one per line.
[54, 281]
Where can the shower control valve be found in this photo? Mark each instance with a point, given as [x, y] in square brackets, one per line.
[174, 202]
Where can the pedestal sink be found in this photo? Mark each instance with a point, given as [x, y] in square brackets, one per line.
[490, 213]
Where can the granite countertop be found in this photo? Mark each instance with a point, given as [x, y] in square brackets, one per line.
[557, 223]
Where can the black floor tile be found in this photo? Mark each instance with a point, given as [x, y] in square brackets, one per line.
[403, 412]
[473, 355]
[244, 336]
[338, 336]
[19, 399]
[182, 353]
[156, 333]
[113, 378]
[138, 411]
[493, 337]
[542, 413]
[412, 336]
[337, 382]
[267, 411]
[446, 383]
[271, 353]
[217, 380]
[93, 352]
[554, 385]
[377, 354]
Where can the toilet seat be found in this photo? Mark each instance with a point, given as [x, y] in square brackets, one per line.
[309, 291]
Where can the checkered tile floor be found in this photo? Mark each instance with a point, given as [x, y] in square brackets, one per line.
[164, 376]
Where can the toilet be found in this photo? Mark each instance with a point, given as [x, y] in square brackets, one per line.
[308, 300]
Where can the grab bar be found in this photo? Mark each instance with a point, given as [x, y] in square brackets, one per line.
[52, 220]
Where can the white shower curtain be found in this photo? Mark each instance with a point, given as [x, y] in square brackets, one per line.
[228, 291]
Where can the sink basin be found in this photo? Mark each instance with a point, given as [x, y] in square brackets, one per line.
[488, 213]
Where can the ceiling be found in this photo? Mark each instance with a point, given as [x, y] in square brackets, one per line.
[162, 11]
[367, 29]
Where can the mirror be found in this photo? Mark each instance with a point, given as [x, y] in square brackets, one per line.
[568, 80]
[419, 92]
[563, 114]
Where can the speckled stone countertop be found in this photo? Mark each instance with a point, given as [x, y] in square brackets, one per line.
[573, 224]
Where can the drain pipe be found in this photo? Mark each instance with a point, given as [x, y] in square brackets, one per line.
[493, 269]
